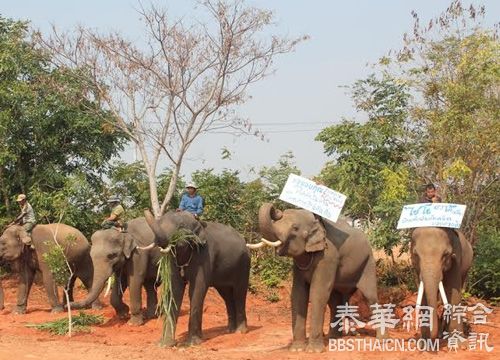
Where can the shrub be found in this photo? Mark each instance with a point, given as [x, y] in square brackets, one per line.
[484, 277]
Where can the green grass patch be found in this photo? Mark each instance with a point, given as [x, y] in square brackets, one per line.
[81, 323]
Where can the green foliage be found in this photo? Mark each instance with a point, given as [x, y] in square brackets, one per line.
[57, 262]
[370, 159]
[270, 268]
[396, 274]
[47, 135]
[80, 323]
[452, 65]
[221, 194]
[484, 277]
[274, 178]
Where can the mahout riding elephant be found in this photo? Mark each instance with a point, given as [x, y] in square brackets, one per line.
[220, 259]
[441, 257]
[117, 252]
[331, 260]
[26, 261]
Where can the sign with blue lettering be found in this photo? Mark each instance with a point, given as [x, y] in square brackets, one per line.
[431, 215]
[316, 198]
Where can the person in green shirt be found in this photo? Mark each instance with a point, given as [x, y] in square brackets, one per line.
[26, 219]
[115, 219]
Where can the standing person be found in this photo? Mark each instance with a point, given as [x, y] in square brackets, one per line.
[115, 219]
[26, 219]
[430, 195]
[191, 201]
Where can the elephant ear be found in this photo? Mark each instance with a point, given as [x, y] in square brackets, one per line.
[200, 231]
[129, 245]
[316, 237]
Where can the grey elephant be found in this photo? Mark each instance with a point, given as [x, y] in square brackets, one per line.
[221, 260]
[441, 257]
[26, 262]
[331, 261]
[118, 252]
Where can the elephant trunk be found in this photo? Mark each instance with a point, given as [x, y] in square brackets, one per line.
[431, 281]
[98, 283]
[160, 239]
[268, 214]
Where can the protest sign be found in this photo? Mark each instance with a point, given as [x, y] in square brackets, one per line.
[316, 198]
[431, 215]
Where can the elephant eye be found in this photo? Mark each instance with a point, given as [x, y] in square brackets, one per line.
[295, 227]
[112, 256]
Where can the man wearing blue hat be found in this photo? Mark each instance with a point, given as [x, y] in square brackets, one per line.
[115, 219]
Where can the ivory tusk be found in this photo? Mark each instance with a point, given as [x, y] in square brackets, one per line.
[420, 295]
[150, 246]
[255, 246]
[272, 243]
[108, 287]
[443, 293]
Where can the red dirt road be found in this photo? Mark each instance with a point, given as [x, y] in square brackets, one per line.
[270, 332]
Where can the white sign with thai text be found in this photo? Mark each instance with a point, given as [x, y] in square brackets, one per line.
[316, 198]
[431, 215]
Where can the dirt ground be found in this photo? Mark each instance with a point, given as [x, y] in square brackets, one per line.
[269, 335]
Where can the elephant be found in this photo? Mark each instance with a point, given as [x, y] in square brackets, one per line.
[1, 296]
[331, 260]
[441, 257]
[221, 260]
[119, 252]
[27, 261]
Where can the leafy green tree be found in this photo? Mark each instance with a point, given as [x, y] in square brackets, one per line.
[45, 136]
[370, 163]
[453, 66]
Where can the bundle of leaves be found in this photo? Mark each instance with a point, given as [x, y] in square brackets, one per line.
[81, 323]
[166, 301]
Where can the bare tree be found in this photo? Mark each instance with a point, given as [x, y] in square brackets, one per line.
[186, 79]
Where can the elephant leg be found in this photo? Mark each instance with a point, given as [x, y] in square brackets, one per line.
[197, 291]
[336, 299]
[178, 286]
[119, 287]
[453, 289]
[367, 284]
[151, 298]
[240, 299]
[300, 300]
[320, 292]
[51, 289]
[227, 294]
[26, 276]
[135, 291]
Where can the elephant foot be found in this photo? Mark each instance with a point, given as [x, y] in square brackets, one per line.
[57, 309]
[136, 320]
[122, 311]
[19, 310]
[151, 314]
[382, 336]
[97, 305]
[167, 343]
[315, 346]
[241, 329]
[297, 346]
[194, 340]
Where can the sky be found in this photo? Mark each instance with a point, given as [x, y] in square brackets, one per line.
[304, 95]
